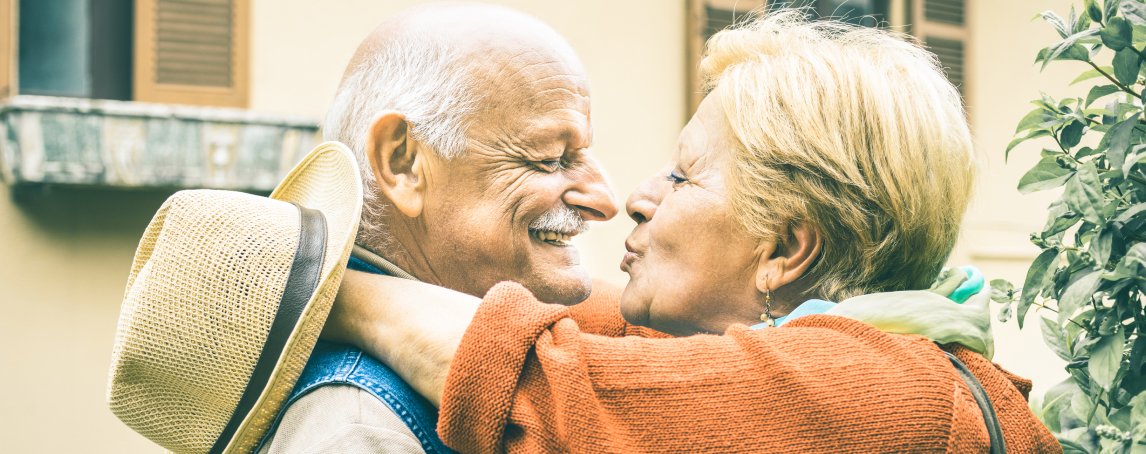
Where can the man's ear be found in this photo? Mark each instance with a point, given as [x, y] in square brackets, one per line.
[398, 162]
[782, 264]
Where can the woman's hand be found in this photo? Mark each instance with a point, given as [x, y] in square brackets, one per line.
[413, 327]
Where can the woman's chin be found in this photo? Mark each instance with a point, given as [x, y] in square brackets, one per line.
[634, 309]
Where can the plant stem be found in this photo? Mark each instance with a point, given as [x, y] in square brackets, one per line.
[1060, 147]
[1036, 303]
[1112, 79]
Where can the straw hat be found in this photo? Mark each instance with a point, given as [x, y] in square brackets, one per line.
[225, 301]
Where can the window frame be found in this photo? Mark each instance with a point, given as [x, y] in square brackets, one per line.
[9, 20]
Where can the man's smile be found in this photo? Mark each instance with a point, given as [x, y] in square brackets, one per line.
[552, 238]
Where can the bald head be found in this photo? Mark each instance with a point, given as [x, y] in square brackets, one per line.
[482, 34]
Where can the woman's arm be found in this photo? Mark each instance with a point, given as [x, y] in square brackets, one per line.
[413, 327]
[523, 378]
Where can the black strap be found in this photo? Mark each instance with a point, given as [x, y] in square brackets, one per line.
[994, 431]
[301, 283]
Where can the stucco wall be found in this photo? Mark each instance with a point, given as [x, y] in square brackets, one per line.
[65, 254]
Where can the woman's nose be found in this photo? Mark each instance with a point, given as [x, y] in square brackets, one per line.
[642, 203]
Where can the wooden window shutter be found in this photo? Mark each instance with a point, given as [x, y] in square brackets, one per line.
[942, 26]
[192, 52]
[9, 20]
[705, 18]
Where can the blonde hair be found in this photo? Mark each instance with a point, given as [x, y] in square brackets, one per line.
[853, 131]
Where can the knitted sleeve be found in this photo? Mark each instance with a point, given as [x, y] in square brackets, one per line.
[526, 379]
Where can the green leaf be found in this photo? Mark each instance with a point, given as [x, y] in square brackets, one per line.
[1106, 358]
[1137, 411]
[1059, 223]
[1082, 405]
[1129, 214]
[1097, 112]
[1016, 142]
[1132, 265]
[1117, 34]
[1113, 107]
[1033, 118]
[1126, 65]
[1001, 290]
[1037, 277]
[1056, 21]
[1092, 10]
[1084, 22]
[1056, 400]
[1101, 245]
[1137, 156]
[1071, 446]
[1083, 193]
[1098, 92]
[1110, 323]
[1139, 34]
[1092, 74]
[1109, 8]
[1047, 174]
[1078, 294]
[1055, 338]
[1072, 134]
[1133, 11]
[1120, 141]
[1067, 49]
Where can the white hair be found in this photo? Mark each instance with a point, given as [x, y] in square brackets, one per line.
[420, 77]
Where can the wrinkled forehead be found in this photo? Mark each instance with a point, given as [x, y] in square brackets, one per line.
[536, 92]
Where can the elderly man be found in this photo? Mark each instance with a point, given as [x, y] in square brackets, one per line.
[471, 125]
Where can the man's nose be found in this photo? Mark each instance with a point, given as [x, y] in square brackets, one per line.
[642, 203]
[591, 195]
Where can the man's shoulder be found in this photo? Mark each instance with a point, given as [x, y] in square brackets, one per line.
[343, 418]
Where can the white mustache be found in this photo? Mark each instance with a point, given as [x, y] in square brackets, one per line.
[561, 219]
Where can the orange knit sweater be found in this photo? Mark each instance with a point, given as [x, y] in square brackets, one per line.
[531, 377]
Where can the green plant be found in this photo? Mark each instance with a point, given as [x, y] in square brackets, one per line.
[1091, 273]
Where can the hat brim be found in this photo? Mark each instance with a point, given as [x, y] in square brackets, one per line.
[326, 180]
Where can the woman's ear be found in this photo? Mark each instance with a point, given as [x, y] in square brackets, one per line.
[780, 265]
[398, 162]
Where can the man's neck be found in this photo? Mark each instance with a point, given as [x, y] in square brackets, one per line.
[398, 249]
[376, 261]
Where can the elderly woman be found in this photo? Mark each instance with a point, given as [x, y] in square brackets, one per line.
[828, 164]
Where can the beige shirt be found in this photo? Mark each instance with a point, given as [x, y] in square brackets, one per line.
[341, 419]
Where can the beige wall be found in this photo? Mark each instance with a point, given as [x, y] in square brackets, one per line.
[65, 254]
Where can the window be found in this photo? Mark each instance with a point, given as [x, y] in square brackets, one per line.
[169, 51]
[196, 51]
[75, 48]
[939, 24]
[7, 48]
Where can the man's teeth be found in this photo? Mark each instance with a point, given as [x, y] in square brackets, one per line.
[550, 236]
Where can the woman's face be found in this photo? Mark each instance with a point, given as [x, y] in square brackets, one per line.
[691, 269]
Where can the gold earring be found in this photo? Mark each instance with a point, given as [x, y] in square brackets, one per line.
[766, 317]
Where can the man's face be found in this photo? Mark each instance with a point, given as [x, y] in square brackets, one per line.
[492, 214]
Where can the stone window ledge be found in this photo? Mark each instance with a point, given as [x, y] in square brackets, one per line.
[132, 144]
